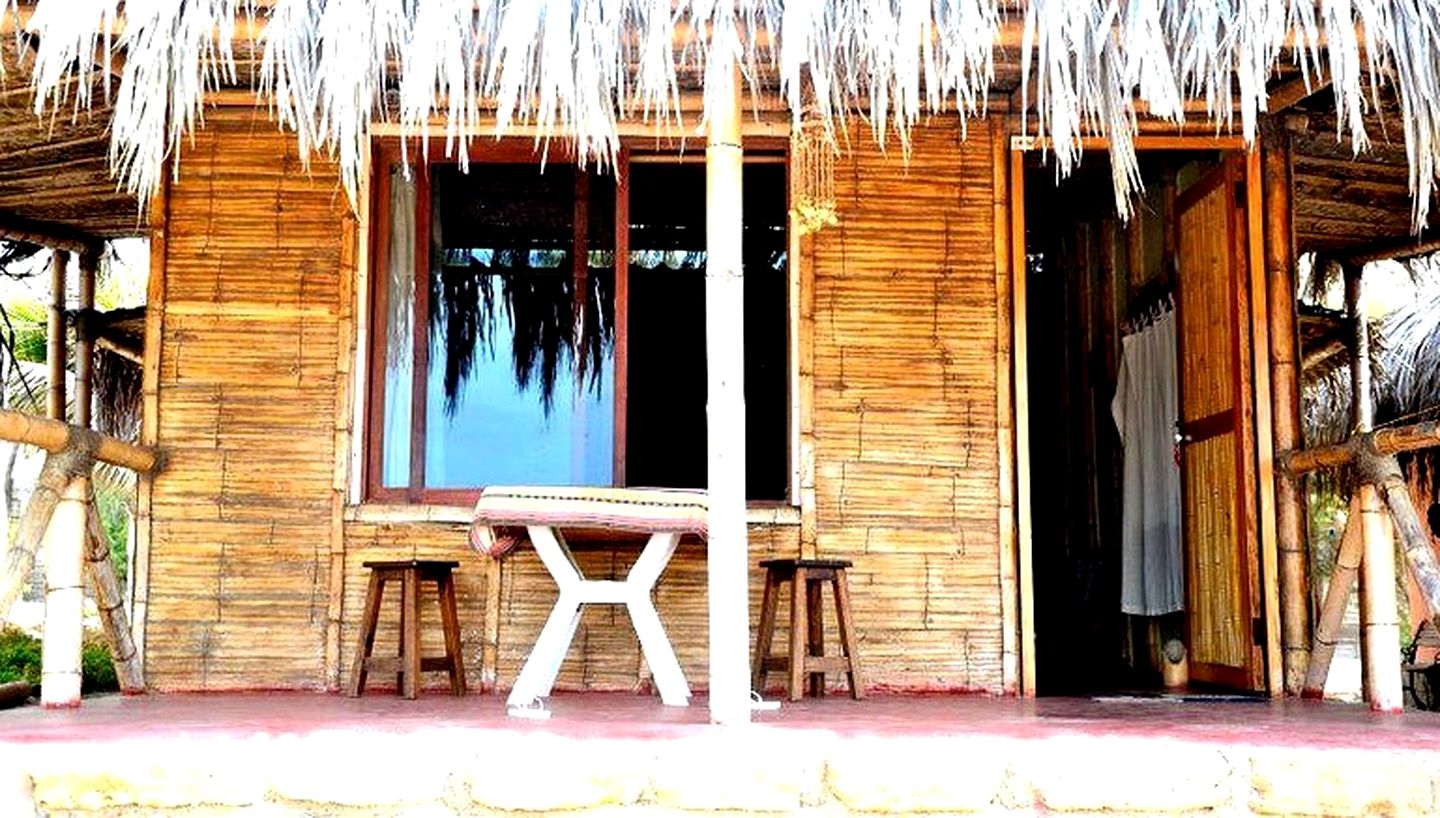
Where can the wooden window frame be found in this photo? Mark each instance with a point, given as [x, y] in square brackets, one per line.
[385, 153]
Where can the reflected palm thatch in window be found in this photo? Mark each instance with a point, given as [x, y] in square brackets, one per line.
[503, 255]
[549, 326]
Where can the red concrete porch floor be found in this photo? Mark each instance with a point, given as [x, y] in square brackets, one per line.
[318, 754]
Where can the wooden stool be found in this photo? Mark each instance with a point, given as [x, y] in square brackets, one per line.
[409, 664]
[807, 627]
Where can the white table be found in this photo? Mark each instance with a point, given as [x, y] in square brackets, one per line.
[661, 515]
[537, 677]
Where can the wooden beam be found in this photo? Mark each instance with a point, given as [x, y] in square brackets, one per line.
[1020, 357]
[727, 554]
[1293, 91]
[72, 455]
[45, 234]
[126, 351]
[1293, 553]
[55, 347]
[1390, 249]
[84, 342]
[54, 436]
[1379, 442]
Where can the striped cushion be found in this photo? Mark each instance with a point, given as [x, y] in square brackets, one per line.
[503, 511]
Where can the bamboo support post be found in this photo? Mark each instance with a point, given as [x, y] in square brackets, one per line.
[1379, 614]
[727, 554]
[1294, 558]
[64, 598]
[110, 600]
[84, 342]
[55, 336]
[1332, 611]
[72, 454]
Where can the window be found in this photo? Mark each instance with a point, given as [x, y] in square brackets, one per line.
[524, 357]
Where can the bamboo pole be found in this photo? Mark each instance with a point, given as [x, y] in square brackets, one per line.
[727, 554]
[84, 343]
[73, 453]
[1379, 614]
[1332, 611]
[1294, 557]
[53, 436]
[64, 598]
[110, 600]
[55, 336]
[1379, 443]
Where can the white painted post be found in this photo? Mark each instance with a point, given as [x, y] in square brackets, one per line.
[728, 556]
[64, 598]
[1379, 613]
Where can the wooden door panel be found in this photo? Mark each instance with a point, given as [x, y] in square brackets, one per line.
[1218, 515]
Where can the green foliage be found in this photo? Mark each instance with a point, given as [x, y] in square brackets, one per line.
[28, 318]
[19, 657]
[114, 509]
[97, 669]
[20, 661]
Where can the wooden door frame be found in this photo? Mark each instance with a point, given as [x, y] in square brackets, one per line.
[1258, 333]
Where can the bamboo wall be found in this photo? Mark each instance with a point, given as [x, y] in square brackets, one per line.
[254, 389]
[906, 339]
[241, 519]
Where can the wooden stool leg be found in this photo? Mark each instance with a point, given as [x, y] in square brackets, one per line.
[766, 631]
[799, 618]
[847, 634]
[450, 618]
[410, 634]
[815, 629]
[366, 645]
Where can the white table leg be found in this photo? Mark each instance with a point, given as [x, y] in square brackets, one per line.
[542, 666]
[654, 643]
[537, 677]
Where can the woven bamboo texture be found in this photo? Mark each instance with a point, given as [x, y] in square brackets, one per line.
[1218, 620]
[906, 338]
[241, 520]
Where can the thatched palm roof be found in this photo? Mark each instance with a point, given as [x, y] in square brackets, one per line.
[573, 68]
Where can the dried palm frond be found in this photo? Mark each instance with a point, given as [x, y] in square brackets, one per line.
[573, 68]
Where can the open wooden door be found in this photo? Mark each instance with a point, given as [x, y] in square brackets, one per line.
[1217, 495]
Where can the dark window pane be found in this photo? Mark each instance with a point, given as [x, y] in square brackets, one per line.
[666, 420]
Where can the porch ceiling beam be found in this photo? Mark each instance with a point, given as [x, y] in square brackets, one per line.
[1408, 247]
[48, 234]
[1291, 92]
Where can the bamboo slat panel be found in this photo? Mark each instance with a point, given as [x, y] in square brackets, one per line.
[1207, 372]
[906, 450]
[1217, 618]
[241, 524]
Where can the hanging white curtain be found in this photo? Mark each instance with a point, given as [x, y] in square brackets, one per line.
[1146, 408]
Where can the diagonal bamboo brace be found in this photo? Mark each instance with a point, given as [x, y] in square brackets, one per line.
[1414, 539]
[1332, 612]
[110, 600]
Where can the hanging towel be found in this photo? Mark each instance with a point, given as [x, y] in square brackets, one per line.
[1146, 408]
